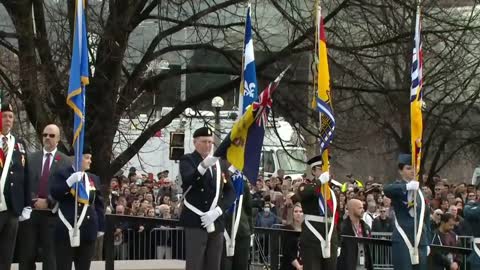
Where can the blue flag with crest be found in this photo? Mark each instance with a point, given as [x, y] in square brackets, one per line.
[79, 74]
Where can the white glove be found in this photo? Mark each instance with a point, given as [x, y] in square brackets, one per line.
[252, 238]
[74, 178]
[324, 178]
[100, 234]
[210, 216]
[26, 212]
[209, 161]
[428, 250]
[413, 185]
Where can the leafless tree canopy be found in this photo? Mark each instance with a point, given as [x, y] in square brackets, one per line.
[370, 44]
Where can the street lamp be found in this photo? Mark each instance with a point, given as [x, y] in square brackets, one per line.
[217, 104]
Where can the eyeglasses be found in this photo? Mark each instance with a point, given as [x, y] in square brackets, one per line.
[49, 135]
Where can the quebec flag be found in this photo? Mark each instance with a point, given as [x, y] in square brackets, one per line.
[248, 91]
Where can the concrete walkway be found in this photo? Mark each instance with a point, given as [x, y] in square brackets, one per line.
[132, 265]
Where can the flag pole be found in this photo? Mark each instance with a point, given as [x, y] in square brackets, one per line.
[237, 203]
[242, 72]
[414, 143]
[325, 165]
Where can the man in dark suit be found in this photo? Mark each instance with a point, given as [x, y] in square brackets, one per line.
[15, 200]
[37, 232]
[407, 257]
[90, 212]
[207, 195]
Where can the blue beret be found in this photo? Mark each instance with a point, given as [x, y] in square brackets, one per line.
[405, 159]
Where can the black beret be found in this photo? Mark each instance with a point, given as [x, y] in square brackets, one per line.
[202, 132]
[405, 159]
[7, 107]
[315, 161]
[87, 149]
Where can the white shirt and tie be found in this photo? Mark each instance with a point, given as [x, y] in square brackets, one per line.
[45, 152]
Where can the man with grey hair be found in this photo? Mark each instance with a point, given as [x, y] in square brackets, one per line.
[207, 196]
[371, 213]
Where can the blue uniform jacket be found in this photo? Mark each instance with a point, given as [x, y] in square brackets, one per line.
[397, 191]
[202, 192]
[94, 220]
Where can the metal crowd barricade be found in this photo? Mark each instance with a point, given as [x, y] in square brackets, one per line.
[150, 244]
[381, 255]
[141, 245]
[164, 239]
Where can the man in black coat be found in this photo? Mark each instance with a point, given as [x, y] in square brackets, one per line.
[382, 223]
[37, 232]
[15, 198]
[353, 255]
[207, 196]
[90, 213]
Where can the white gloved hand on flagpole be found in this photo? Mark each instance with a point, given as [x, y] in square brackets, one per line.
[74, 178]
[324, 178]
[413, 185]
[209, 161]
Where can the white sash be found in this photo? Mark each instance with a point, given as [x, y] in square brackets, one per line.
[476, 241]
[413, 249]
[211, 227]
[74, 233]
[230, 241]
[6, 169]
[324, 243]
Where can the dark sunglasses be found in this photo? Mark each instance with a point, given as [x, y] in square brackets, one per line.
[49, 135]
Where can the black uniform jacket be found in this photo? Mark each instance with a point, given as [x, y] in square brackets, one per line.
[202, 191]
[17, 188]
[94, 220]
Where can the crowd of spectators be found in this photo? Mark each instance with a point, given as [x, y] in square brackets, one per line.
[276, 205]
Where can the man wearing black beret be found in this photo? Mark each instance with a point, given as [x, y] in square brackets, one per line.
[206, 197]
[15, 197]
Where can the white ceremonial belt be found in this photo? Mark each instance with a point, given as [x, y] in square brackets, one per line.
[193, 208]
[476, 241]
[210, 228]
[74, 239]
[413, 249]
[325, 243]
[230, 241]
[317, 218]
